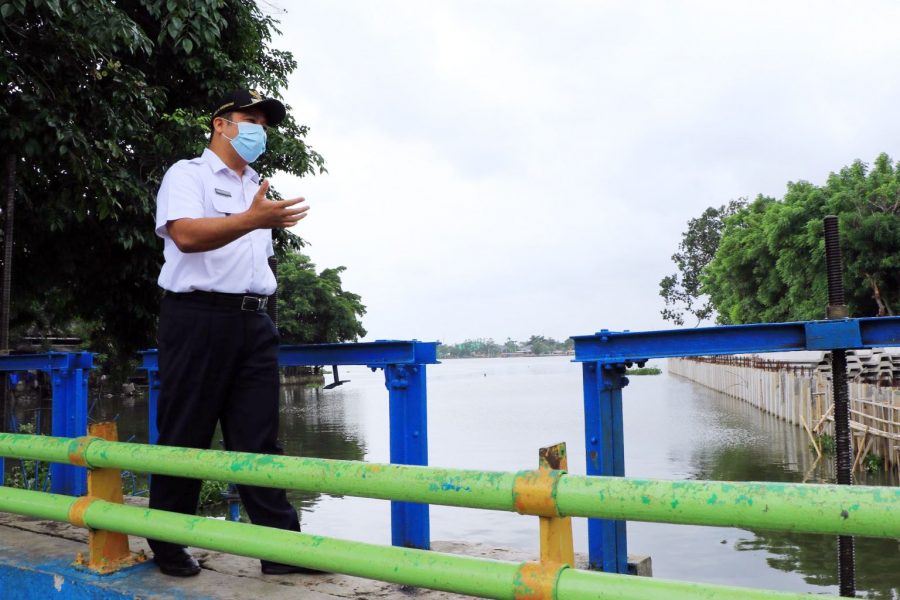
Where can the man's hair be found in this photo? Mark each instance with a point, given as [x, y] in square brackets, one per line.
[227, 115]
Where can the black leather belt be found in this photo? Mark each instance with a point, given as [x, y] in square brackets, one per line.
[248, 302]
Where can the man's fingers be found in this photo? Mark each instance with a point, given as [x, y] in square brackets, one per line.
[296, 218]
[293, 221]
[295, 211]
[262, 191]
[282, 213]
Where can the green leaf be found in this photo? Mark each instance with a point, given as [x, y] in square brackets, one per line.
[97, 150]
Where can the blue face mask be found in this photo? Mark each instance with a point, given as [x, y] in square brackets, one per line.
[250, 142]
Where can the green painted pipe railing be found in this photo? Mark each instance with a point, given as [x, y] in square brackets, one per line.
[841, 510]
[480, 577]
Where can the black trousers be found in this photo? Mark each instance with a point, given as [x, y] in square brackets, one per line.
[218, 364]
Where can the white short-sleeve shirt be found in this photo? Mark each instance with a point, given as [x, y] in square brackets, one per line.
[206, 187]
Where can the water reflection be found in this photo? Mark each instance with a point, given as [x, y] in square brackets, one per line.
[743, 444]
[815, 556]
[319, 423]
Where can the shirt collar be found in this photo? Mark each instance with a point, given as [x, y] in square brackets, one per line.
[216, 165]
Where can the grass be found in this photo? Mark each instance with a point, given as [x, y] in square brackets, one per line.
[873, 463]
[826, 444]
[644, 371]
[29, 474]
[211, 493]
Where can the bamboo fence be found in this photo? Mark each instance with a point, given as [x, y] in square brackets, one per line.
[801, 394]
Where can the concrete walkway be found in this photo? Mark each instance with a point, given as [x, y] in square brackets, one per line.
[42, 553]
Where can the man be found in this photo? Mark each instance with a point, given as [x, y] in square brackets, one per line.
[218, 348]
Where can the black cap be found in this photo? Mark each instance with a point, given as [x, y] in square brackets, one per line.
[244, 99]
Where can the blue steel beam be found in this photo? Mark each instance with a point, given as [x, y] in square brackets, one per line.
[613, 346]
[69, 419]
[879, 332]
[605, 455]
[149, 359]
[601, 355]
[49, 361]
[374, 354]
[153, 388]
[69, 379]
[408, 417]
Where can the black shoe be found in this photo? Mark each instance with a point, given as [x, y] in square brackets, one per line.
[273, 568]
[179, 564]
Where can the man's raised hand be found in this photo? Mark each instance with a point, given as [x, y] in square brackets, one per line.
[271, 214]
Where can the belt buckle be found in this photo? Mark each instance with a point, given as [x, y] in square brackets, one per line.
[260, 303]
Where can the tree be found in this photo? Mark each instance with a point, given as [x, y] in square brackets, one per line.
[681, 291]
[99, 97]
[448, 351]
[755, 288]
[542, 345]
[868, 203]
[490, 348]
[770, 263]
[315, 309]
[487, 347]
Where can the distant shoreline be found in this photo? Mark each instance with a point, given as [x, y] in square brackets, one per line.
[507, 355]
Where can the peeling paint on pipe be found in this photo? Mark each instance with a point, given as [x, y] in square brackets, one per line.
[813, 508]
[861, 510]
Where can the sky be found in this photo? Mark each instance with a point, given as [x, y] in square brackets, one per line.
[502, 169]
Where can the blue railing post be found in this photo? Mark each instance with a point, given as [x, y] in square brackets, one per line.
[409, 446]
[605, 454]
[150, 363]
[69, 419]
[152, 400]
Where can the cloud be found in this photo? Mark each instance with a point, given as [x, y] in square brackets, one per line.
[508, 168]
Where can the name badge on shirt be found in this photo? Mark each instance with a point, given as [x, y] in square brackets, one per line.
[223, 192]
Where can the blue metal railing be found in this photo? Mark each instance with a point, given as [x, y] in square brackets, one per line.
[606, 354]
[604, 357]
[404, 364]
[68, 379]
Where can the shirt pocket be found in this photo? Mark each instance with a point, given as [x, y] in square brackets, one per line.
[226, 205]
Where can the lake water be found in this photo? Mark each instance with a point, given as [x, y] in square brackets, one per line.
[494, 414]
